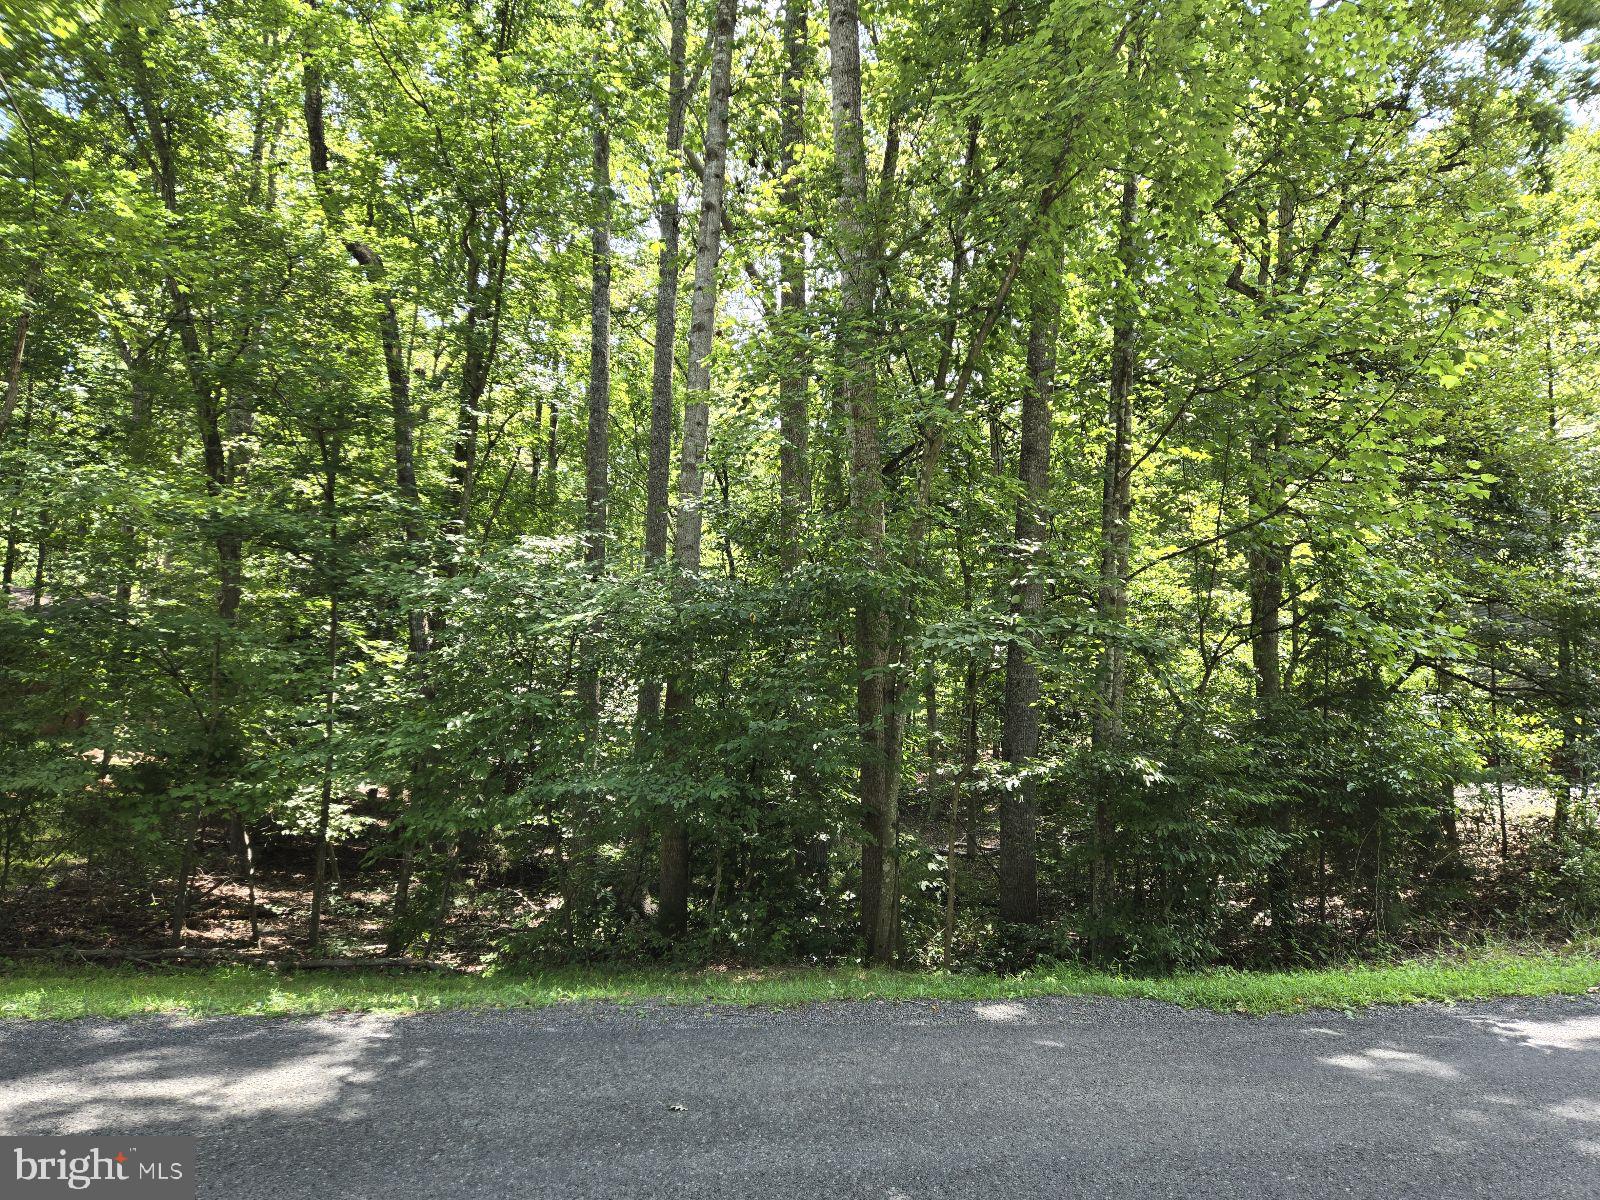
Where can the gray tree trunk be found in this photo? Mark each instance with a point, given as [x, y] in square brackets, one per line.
[597, 444]
[857, 388]
[664, 359]
[1265, 561]
[674, 887]
[794, 417]
[1111, 596]
[1019, 893]
[330, 504]
[19, 342]
[794, 468]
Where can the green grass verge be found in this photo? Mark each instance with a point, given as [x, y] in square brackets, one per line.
[35, 991]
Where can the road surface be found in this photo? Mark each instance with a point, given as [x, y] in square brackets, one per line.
[1064, 1099]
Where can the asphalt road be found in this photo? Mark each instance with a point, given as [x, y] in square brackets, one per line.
[1063, 1099]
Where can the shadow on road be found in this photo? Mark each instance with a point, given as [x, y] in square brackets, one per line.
[1047, 1098]
[174, 1076]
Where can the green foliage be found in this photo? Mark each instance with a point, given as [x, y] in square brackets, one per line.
[293, 480]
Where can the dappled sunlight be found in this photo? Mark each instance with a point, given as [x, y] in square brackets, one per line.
[1520, 1082]
[1582, 1109]
[1428, 1101]
[272, 1072]
[1002, 1011]
[1575, 1033]
[1381, 1061]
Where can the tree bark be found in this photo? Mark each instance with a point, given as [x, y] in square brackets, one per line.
[19, 342]
[485, 251]
[1265, 562]
[597, 444]
[857, 388]
[664, 359]
[674, 886]
[794, 382]
[1451, 867]
[1019, 892]
[794, 468]
[1111, 596]
[330, 512]
[1567, 764]
[1567, 770]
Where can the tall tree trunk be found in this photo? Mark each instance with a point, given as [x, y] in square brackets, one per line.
[1567, 697]
[597, 445]
[209, 400]
[186, 856]
[969, 717]
[485, 251]
[1567, 765]
[1019, 895]
[663, 367]
[390, 339]
[674, 887]
[1111, 596]
[1265, 562]
[1451, 867]
[794, 468]
[664, 357]
[139, 407]
[857, 387]
[329, 447]
[247, 853]
[40, 557]
[9, 570]
[19, 342]
[794, 383]
[552, 457]
[397, 376]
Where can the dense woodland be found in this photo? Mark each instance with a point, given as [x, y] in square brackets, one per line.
[946, 481]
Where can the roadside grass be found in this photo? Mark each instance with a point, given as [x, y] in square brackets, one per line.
[32, 991]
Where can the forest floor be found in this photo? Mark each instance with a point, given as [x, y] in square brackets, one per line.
[1096, 1099]
[81, 944]
[67, 906]
[31, 989]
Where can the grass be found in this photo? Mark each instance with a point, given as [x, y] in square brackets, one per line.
[56, 992]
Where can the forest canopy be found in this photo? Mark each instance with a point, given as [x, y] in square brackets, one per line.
[940, 482]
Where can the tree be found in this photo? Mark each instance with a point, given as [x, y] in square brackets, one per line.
[1134, 474]
[674, 898]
